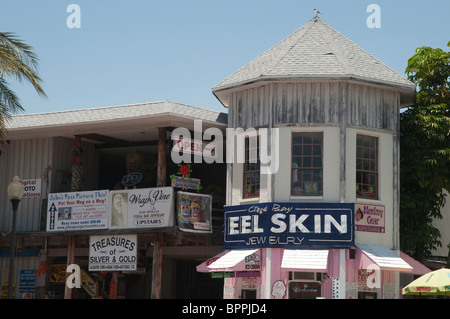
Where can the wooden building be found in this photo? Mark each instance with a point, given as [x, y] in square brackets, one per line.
[107, 143]
[332, 111]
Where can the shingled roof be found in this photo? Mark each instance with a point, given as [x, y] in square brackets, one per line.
[316, 50]
[113, 113]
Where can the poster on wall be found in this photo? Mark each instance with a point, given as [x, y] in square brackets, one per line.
[32, 187]
[113, 253]
[370, 218]
[77, 211]
[141, 208]
[194, 212]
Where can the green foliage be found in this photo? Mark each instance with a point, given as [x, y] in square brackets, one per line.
[425, 151]
[17, 60]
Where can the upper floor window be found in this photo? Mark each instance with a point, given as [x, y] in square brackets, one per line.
[366, 166]
[307, 164]
[251, 176]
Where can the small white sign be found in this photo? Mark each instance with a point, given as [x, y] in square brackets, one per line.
[141, 208]
[32, 187]
[113, 253]
[77, 211]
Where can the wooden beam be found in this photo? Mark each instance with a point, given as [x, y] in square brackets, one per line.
[70, 260]
[159, 238]
[161, 177]
[157, 266]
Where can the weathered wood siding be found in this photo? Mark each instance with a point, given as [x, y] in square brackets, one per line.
[313, 102]
[29, 159]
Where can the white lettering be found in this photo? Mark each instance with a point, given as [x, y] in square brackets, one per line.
[233, 223]
[342, 228]
[297, 223]
[281, 224]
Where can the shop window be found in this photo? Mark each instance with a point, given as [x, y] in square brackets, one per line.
[305, 285]
[307, 164]
[367, 295]
[366, 166]
[299, 275]
[251, 170]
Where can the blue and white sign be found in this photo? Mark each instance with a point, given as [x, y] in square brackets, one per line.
[289, 225]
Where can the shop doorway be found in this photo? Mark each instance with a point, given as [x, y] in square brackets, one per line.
[191, 284]
[367, 295]
[249, 294]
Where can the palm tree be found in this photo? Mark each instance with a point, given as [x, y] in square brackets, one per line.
[18, 60]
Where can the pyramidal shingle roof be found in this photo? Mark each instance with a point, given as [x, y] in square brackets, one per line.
[316, 50]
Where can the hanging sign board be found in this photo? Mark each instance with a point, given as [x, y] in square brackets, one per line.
[195, 147]
[186, 183]
[370, 218]
[141, 208]
[289, 225]
[77, 211]
[194, 212]
[113, 253]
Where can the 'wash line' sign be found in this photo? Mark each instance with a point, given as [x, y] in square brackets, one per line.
[289, 225]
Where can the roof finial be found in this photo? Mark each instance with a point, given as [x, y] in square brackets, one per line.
[317, 12]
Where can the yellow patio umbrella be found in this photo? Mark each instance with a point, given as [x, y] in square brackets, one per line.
[434, 283]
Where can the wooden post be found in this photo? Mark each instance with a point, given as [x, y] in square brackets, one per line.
[77, 166]
[157, 266]
[161, 177]
[159, 238]
[70, 260]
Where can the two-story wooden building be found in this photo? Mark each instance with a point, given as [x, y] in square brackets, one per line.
[67, 160]
[325, 221]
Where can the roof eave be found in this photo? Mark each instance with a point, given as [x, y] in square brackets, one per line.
[408, 91]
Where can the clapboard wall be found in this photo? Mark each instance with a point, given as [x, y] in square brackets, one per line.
[36, 159]
[276, 104]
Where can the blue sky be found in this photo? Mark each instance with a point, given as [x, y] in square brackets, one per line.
[141, 51]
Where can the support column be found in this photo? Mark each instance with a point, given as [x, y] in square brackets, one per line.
[343, 143]
[159, 238]
[342, 274]
[268, 274]
[157, 266]
[70, 260]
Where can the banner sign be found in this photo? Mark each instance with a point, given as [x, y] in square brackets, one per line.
[289, 225]
[77, 211]
[141, 208]
[113, 253]
[369, 218]
[194, 212]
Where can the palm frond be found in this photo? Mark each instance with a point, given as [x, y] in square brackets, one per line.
[18, 60]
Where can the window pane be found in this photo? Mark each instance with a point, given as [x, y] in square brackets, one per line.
[307, 150]
[307, 164]
[317, 150]
[251, 178]
[366, 166]
[317, 162]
